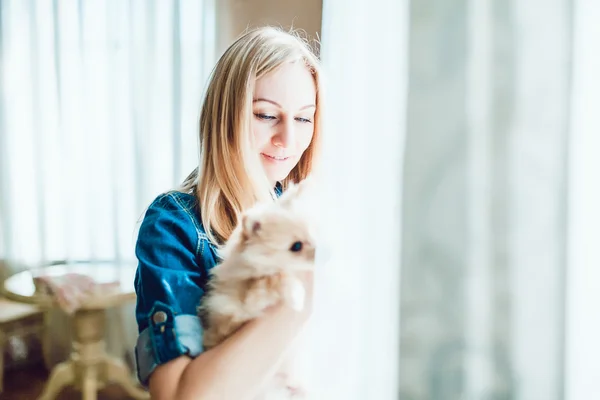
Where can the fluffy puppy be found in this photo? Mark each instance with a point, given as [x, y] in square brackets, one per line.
[270, 244]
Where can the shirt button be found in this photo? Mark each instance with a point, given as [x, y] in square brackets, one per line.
[159, 317]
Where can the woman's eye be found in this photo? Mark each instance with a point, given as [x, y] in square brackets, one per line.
[265, 117]
[304, 120]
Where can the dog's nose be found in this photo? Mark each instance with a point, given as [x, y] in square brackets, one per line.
[310, 254]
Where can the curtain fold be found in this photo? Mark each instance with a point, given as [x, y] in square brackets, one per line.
[491, 115]
[100, 110]
[485, 200]
[583, 275]
[357, 311]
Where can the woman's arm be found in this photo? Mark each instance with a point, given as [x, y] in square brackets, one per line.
[173, 266]
[235, 369]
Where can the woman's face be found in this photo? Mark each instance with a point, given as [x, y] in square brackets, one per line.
[284, 105]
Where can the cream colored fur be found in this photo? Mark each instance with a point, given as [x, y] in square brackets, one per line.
[257, 272]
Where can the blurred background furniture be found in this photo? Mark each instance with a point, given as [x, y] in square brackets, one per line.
[20, 320]
[89, 367]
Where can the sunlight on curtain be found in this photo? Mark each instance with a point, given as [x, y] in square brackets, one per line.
[484, 217]
[583, 277]
[100, 110]
[484, 199]
[357, 311]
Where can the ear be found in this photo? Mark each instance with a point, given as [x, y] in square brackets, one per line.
[305, 186]
[295, 192]
[288, 195]
[250, 226]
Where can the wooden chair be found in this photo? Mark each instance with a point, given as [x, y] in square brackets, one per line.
[17, 319]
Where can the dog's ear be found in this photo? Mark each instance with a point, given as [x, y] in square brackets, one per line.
[251, 226]
[304, 187]
[295, 192]
[287, 197]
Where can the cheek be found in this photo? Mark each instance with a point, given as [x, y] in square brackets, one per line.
[305, 136]
[262, 134]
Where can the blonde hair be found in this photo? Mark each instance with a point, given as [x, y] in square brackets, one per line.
[230, 177]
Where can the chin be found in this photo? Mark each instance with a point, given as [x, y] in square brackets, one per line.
[277, 176]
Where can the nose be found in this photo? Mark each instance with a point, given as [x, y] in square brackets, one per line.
[285, 134]
[311, 254]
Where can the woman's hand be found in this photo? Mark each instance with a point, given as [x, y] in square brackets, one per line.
[239, 367]
[296, 291]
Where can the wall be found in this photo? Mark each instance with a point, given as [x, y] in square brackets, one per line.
[234, 16]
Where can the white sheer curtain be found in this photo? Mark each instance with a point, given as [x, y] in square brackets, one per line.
[499, 122]
[99, 112]
[357, 312]
[100, 101]
[582, 372]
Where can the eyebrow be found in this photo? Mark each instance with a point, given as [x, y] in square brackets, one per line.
[278, 105]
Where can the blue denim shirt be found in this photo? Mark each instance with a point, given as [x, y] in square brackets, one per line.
[174, 258]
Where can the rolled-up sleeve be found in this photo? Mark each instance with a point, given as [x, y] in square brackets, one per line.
[173, 262]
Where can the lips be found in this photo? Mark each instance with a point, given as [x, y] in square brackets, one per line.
[275, 158]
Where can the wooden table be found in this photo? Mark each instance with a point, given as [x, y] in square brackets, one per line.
[90, 367]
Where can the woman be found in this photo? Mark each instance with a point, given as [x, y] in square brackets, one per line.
[259, 130]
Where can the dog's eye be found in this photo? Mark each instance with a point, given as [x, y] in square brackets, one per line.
[297, 246]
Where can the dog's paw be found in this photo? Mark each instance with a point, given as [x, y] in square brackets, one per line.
[297, 295]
